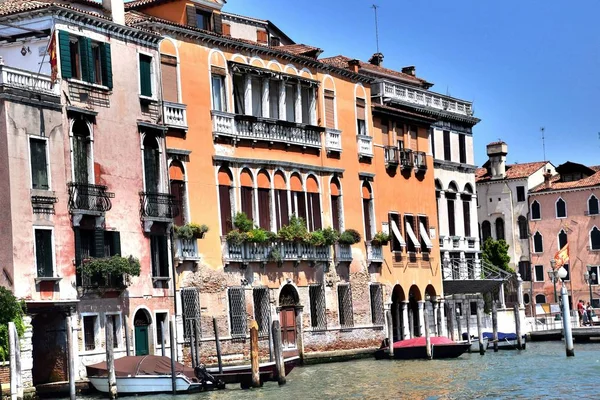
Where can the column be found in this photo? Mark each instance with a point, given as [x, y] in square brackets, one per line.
[266, 109]
[313, 106]
[399, 333]
[421, 304]
[436, 321]
[463, 273]
[501, 296]
[387, 312]
[405, 333]
[298, 103]
[247, 95]
[442, 329]
[443, 215]
[520, 291]
[282, 100]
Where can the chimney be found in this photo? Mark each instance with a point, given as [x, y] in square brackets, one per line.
[353, 65]
[497, 152]
[410, 70]
[377, 59]
[116, 9]
[547, 177]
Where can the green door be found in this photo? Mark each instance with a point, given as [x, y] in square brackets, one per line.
[141, 341]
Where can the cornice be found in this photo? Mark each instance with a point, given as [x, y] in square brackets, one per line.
[276, 163]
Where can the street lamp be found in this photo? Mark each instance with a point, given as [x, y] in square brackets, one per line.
[590, 277]
[553, 275]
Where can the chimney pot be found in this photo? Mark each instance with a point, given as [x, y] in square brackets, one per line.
[354, 65]
[117, 10]
[410, 70]
[376, 59]
[497, 152]
[547, 177]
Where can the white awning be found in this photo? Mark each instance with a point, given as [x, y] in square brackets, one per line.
[425, 235]
[411, 235]
[397, 234]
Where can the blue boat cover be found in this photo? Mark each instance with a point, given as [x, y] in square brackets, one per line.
[501, 336]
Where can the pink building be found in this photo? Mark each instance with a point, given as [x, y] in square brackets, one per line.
[564, 209]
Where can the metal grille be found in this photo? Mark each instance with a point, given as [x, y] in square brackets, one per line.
[237, 312]
[345, 306]
[377, 305]
[318, 319]
[190, 301]
[261, 310]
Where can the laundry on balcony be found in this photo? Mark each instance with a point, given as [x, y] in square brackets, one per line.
[425, 235]
[397, 234]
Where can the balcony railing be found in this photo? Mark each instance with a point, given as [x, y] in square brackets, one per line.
[27, 80]
[406, 158]
[374, 253]
[103, 281]
[175, 115]
[186, 249]
[392, 158]
[247, 127]
[343, 253]
[274, 252]
[333, 140]
[420, 159]
[365, 146]
[423, 98]
[88, 197]
[158, 205]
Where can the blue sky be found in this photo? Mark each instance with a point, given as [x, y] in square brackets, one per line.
[524, 64]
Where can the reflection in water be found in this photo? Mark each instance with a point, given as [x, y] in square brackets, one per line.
[541, 371]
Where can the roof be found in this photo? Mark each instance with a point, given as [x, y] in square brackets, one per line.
[301, 49]
[555, 184]
[143, 3]
[342, 62]
[8, 7]
[513, 171]
[402, 113]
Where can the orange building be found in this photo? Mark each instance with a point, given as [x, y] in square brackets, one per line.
[259, 125]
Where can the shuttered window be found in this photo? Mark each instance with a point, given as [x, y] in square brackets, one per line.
[335, 212]
[39, 164]
[329, 109]
[218, 92]
[106, 62]
[247, 201]
[274, 86]
[318, 320]
[447, 148]
[345, 306]
[314, 211]
[168, 69]
[159, 254]
[376, 293]
[264, 208]
[43, 253]
[237, 312]
[290, 102]
[451, 219]
[226, 29]
[360, 117]
[84, 59]
[281, 208]
[467, 217]
[261, 36]
[145, 75]
[225, 209]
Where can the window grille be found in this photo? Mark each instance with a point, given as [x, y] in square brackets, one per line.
[345, 306]
[261, 310]
[318, 319]
[237, 312]
[377, 305]
[89, 334]
[190, 301]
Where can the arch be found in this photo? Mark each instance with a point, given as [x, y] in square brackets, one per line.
[593, 205]
[499, 229]
[526, 298]
[312, 185]
[363, 93]
[288, 296]
[538, 243]
[263, 180]
[274, 63]
[453, 187]
[366, 191]
[562, 239]
[168, 46]
[257, 60]
[486, 230]
[306, 73]
[523, 227]
[398, 295]
[296, 183]
[415, 293]
[246, 178]
[335, 187]
[430, 292]
[468, 189]
[176, 171]
[595, 238]
[225, 177]
[81, 128]
[561, 208]
[239, 58]
[150, 142]
[142, 317]
[279, 180]
[328, 82]
[438, 185]
[540, 299]
[536, 210]
[291, 67]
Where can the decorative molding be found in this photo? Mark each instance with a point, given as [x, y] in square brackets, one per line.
[274, 163]
[454, 166]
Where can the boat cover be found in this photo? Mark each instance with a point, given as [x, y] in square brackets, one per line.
[501, 336]
[420, 341]
[140, 365]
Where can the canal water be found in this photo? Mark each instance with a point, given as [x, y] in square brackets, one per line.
[540, 372]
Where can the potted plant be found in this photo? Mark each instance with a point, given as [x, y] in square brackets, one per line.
[190, 231]
[295, 231]
[114, 266]
[380, 239]
[236, 237]
[349, 237]
[242, 222]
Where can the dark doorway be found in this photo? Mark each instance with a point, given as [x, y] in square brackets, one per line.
[49, 348]
[288, 301]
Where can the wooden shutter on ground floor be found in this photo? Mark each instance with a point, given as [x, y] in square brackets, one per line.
[329, 109]
[169, 77]
[225, 209]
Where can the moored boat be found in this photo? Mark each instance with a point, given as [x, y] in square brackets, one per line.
[413, 349]
[506, 341]
[243, 373]
[475, 343]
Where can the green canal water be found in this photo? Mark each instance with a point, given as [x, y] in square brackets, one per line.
[540, 372]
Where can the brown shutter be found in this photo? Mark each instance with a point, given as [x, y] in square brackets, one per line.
[225, 209]
[247, 201]
[226, 29]
[283, 215]
[360, 109]
[301, 205]
[218, 70]
[264, 209]
[191, 15]
[413, 138]
[316, 210]
[217, 22]
[261, 37]
[169, 78]
[367, 218]
[329, 109]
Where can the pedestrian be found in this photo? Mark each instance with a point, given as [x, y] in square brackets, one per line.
[588, 311]
[580, 311]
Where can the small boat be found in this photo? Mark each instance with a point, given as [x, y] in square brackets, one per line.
[475, 343]
[506, 341]
[147, 374]
[243, 373]
[413, 349]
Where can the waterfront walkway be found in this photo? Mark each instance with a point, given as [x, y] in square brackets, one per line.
[583, 334]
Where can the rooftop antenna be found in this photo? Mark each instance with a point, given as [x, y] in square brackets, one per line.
[542, 129]
[375, 7]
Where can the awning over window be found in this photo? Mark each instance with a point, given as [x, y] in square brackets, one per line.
[411, 235]
[397, 234]
[267, 73]
[425, 235]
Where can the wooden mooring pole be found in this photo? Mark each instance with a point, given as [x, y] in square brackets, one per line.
[480, 327]
[467, 307]
[254, 354]
[518, 326]
[163, 338]
[390, 328]
[218, 345]
[13, 342]
[173, 356]
[71, 358]
[495, 325]
[110, 357]
[127, 337]
[427, 334]
[278, 350]
[451, 319]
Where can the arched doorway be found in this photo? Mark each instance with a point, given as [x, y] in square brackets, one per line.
[398, 298]
[141, 323]
[288, 303]
[414, 317]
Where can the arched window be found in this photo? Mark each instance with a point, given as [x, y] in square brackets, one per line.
[337, 211]
[297, 196]
[486, 230]
[313, 199]
[540, 299]
[368, 217]
[562, 239]
[82, 163]
[450, 200]
[282, 213]
[178, 190]
[499, 229]
[561, 208]
[523, 231]
[538, 243]
[593, 205]
[151, 164]
[247, 193]
[526, 298]
[536, 211]
[226, 199]
[595, 239]
[263, 183]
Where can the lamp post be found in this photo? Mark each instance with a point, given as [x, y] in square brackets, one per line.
[590, 277]
[561, 273]
[553, 275]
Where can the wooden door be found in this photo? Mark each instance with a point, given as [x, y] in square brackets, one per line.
[287, 317]
[141, 341]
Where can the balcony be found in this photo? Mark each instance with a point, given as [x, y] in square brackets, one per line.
[186, 249]
[422, 98]
[14, 78]
[106, 282]
[85, 198]
[406, 158]
[374, 253]
[278, 252]
[257, 129]
[333, 140]
[392, 158]
[420, 160]
[175, 115]
[365, 146]
[343, 253]
[160, 207]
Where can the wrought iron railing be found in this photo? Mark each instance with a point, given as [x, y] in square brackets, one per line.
[104, 281]
[186, 249]
[88, 197]
[406, 158]
[274, 252]
[158, 205]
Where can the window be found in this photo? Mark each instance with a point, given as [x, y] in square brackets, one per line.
[367, 203]
[75, 59]
[44, 250]
[218, 92]
[538, 245]
[262, 37]
[39, 164]
[523, 227]
[81, 152]
[256, 91]
[168, 70]
[290, 102]
[262, 310]
[486, 230]
[377, 317]
[237, 312]
[462, 148]
[525, 270]
[203, 19]
[595, 239]
[306, 101]
[282, 213]
[539, 273]
[275, 41]
[116, 327]
[520, 193]
[239, 93]
[264, 208]
[318, 318]
[412, 237]
[97, 59]
[274, 86]
[593, 205]
[396, 224]
[422, 231]
[329, 108]
[536, 212]
[540, 299]
[467, 217]
[593, 270]
[84, 59]
[562, 239]
[432, 141]
[190, 305]
[361, 128]
[145, 65]
[159, 254]
[447, 146]
[499, 229]
[561, 208]
[451, 220]
[160, 318]
[247, 198]
[345, 306]
[314, 211]
[89, 332]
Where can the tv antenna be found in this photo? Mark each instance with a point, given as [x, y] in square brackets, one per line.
[375, 7]
[542, 129]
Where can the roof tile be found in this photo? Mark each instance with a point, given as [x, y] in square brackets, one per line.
[513, 171]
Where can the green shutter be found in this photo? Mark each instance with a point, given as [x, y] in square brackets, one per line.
[99, 243]
[64, 54]
[39, 170]
[107, 78]
[145, 77]
[87, 59]
[115, 244]
[43, 252]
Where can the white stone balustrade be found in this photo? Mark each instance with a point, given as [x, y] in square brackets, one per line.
[186, 249]
[333, 140]
[27, 80]
[365, 145]
[175, 115]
